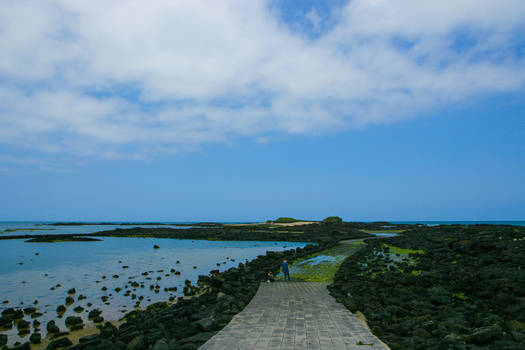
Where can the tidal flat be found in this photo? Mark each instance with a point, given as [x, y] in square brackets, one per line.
[322, 266]
[114, 275]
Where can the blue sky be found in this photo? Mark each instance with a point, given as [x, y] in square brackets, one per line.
[370, 110]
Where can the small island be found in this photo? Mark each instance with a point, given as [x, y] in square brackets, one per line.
[61, 238]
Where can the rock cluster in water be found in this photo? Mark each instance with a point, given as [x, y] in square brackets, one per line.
[191, 321]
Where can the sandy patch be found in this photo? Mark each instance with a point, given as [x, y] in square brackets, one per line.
[298, 223]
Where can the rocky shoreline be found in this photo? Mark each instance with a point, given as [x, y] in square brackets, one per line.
[193, 319]
[263, 232]
[444, 287]
[206, 307]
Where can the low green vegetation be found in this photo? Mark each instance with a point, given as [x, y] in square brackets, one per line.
[322, 266]
[333, 219]
[460, 295]
[402, 251]
[279, 231]
[316, 269]
[285, 220]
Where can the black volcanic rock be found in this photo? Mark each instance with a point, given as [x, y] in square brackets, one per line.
[73, 320]
[35, 338]
[59, 343]
[3, 339]
[51, 327]
[464, 291]
[23, 324]
[6, 321]
[24, 346]
[61, 309]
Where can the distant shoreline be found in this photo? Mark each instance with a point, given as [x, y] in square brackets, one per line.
[73, 223]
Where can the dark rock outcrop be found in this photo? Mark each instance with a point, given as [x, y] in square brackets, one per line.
[59, 343]
[465, 289]
[73, 320]
[51, 327]
[35, 338]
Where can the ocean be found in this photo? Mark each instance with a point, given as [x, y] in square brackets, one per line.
[480, 222]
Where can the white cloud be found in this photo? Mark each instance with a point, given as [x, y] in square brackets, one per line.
[133, 78]
[314, 19]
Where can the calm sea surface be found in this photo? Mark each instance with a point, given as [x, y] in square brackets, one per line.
[436, 223]
[44, 272]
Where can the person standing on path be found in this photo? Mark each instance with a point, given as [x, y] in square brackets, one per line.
[284, 270]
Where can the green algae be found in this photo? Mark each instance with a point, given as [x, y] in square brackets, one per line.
[286, 220]
[460, 296]
[382, 231]
[402, 251]
[322, 266]
[320, 272]
[393, 257]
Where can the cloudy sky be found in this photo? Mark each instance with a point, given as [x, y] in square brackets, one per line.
[247, 110]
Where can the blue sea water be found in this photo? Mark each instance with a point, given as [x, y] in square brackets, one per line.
[479, 222]
[33, 271]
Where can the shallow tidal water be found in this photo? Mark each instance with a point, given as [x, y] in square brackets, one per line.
[30, 272]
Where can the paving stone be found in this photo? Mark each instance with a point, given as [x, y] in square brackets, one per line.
[294, 316]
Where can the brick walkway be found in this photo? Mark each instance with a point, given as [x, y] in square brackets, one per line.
[294, 316]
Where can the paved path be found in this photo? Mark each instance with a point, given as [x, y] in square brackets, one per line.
[294, 316]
